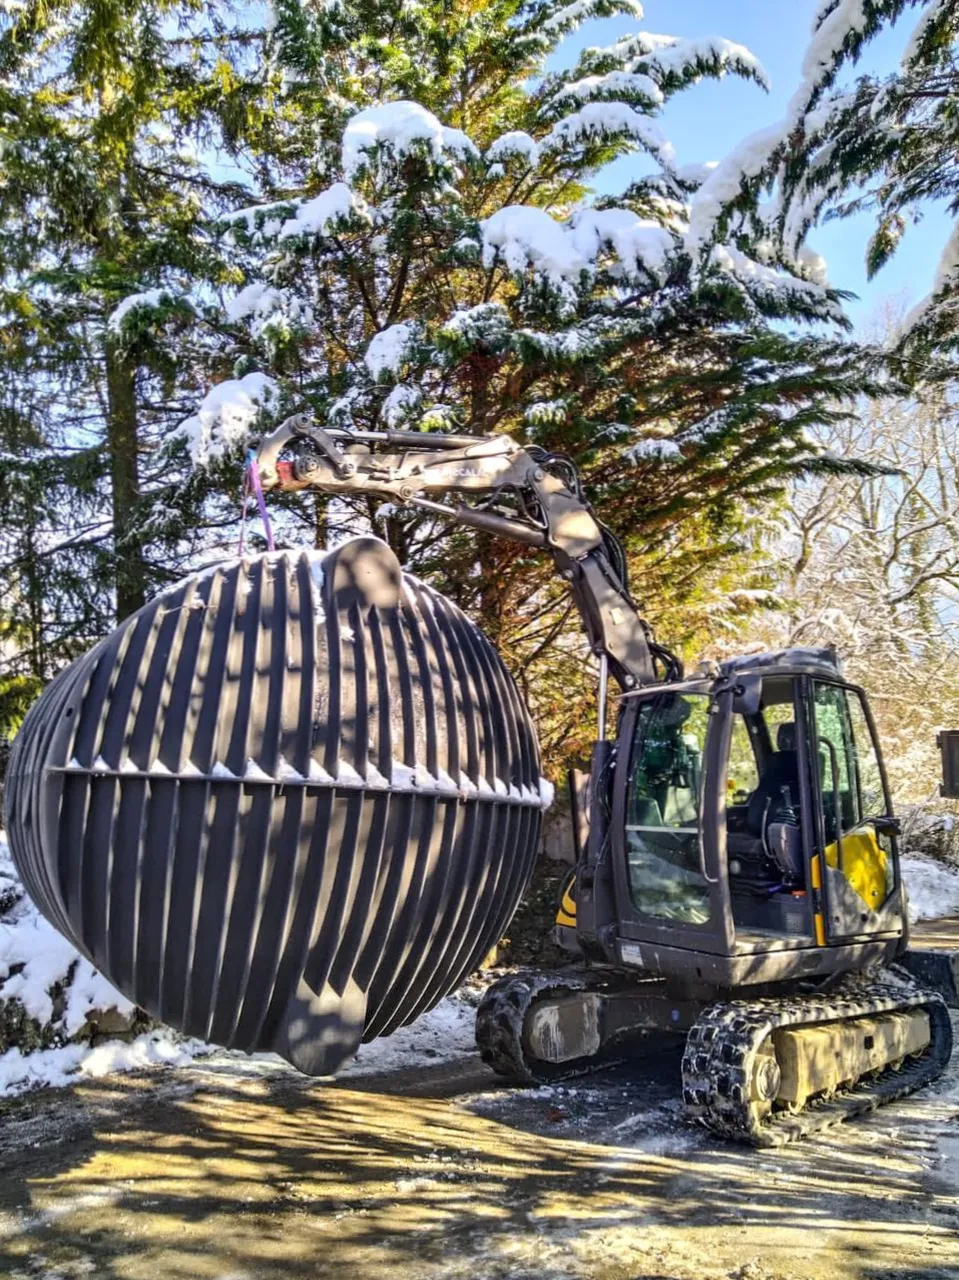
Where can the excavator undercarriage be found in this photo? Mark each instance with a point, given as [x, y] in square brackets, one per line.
[764, 1070]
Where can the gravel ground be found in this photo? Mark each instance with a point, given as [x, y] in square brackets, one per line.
[238, 1169]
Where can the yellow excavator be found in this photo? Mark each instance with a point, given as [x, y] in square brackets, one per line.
[738, 879]
[293, 801]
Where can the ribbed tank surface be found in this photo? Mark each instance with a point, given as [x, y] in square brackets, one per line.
[288, 805]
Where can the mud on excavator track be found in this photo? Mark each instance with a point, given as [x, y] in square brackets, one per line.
[762, 1071]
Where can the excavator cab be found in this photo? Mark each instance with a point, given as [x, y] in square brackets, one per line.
[751, 836]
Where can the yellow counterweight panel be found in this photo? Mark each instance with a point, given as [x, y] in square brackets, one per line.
[566, 915]
[863, 864]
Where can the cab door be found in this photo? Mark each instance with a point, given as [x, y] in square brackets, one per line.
[855, 866]
[666, 813]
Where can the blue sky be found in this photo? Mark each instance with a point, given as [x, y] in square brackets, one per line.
[708, 120]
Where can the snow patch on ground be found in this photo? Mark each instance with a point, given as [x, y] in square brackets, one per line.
[34, 958]
[441, 1035]
[71, 1063]
[933, 888]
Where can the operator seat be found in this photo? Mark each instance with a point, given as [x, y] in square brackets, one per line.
[781, 770]
[768, 855]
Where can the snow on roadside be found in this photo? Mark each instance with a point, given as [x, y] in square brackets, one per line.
[36, 962]
[933, 887]
[35, 958]
[444, 1034]
[70, 1063]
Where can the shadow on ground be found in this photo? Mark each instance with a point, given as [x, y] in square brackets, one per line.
[268, 1177]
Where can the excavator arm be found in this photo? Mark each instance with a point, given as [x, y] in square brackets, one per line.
[531, 496]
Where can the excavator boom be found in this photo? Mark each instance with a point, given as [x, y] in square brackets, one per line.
[546, 508]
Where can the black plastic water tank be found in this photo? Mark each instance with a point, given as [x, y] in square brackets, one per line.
[287, 805]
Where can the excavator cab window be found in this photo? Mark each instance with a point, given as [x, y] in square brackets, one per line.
[663, 808]
[858, 832]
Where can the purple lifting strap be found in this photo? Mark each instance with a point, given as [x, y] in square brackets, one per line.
[254, 477]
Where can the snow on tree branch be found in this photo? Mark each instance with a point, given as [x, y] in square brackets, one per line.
[885, 145]
[921, 40]
[724, 184]
[269, 310]
[608, 120]
[613, 84]
[673, 61]
[523, 236]
[944, 284]
[141, 309]
[514, 143]
[228, 413]
[401, 127]
[319, 216]
[764, 278]
[567, 17]
[389, 349]
[426, 295]
[640, 244]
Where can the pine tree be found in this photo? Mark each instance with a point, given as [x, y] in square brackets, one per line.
[114, 122]
[884, 144]
[445, 268]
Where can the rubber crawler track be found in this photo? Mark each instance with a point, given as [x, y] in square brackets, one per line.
[499, 1028]
[722, 1046]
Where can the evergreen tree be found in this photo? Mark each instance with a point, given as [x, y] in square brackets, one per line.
[445, 268]
[116, 120]
[885, 144]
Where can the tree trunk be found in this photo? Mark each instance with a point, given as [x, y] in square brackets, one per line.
[130, 575]
[321, 522]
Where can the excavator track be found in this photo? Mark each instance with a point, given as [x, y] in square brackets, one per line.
[499, 1028]
[727, 1044]
[723, 1047]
